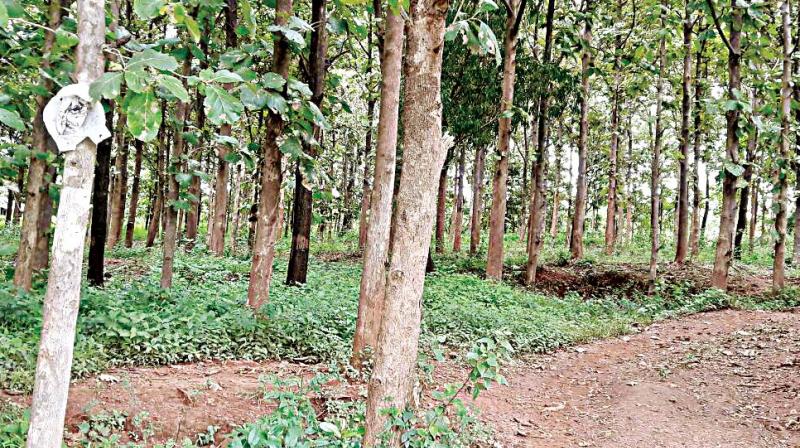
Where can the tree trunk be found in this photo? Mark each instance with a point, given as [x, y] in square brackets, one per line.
[557, 184]
[162, 150]
[458, 214]
[170, 212]
[60, 310]
[682, 248]
[396, 357]
[376, 250]
[694, 238]
[744, 196]
[753, 215]
[119, 189]
[302, 213]
[539, 209]
[99, 224]
[193, 214]
[271, 177]
[497, 219]
[137, 172]
[655, 166]
[42, 257]
[579, 215]
[35, 192]
[441, 206]
[237, 179]
[722, 257]
[477, 201]
[365, 193]
[782, 168]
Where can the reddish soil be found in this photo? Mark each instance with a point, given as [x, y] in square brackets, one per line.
[723, 379]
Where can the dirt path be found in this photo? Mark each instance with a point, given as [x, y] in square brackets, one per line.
[723, 379]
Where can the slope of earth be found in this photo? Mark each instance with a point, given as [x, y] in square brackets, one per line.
[722, 379]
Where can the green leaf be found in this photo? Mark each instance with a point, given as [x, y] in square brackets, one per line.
[107, 86]
[147, 9]
[486, 6]
[11, 119]
[276, 102]
[193, 28]
[154, 59]
[733, 168]
[252, 97]
[273, 81]
[174, 86]
[144, 115]
[221, 107]
[221, 76]
[299, 87]
[292, 147]
[3, 15]
[137, 80]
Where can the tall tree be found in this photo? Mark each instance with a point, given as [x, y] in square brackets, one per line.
[423, 157]
[697, 195]
[376, 251]
[119, 187]
[266, 225]
[655, 165]
[456, 225]
[579, 215]
[494, 264]
[477, 200]
[682, 249]
[722, 256]
[35, 192]
[782, 165]
[60, 310]
[301, 213]
[135, 188]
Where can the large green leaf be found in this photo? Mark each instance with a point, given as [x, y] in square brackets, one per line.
[174, 86]
[147, 9]
[276, 102]
[221, 76]
[11, 119]
[152, 58]
[144, 115]
[252, 97]
[108, 86]
[221, 107]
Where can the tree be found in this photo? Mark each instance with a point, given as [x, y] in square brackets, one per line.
[722, 256]
[376, 251]
[655, 165]
[494, 264]
[682, 249]
[134, 203]
[579, 215]
[782, 165]
[60, 314]
[423, 157]
[266, 225]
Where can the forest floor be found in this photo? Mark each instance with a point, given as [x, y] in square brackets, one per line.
[717, 379]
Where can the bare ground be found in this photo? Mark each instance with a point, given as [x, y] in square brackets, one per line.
[723, 379]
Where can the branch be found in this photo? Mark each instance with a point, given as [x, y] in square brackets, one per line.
[518, 21]
[710, 4]
[633, 25]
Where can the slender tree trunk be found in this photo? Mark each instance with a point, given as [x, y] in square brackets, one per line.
[694, 238]
[35, 191]
[539, 209]
[99, 221]
[162, 149]
[655, 166]
[376, 251]
[365, 192]
[753, 215]
[524, 224]
[170, 212]
[579, 215]
[423, 157]
[193, 214]
[18, 202]
[60, 309]
[557, 184]
[722, 257]
[42, 257]
[458, 213]
[119, 189]
[237, 179]
[744, 196]
[302, 209]
[441, 206]
[477, 201]
[782, 175]
[134, 205]
[795, 165]
[271, 177]
[682, 249]
[497, 219]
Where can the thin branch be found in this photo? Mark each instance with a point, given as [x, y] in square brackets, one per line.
[710, 4]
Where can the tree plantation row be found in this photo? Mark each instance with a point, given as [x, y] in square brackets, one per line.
[223, 125]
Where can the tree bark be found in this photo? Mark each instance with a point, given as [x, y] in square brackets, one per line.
[782, 168]
[134, 204]
[35, 191]
[579, 215]
[744, 196]
[162, 149]
[441, 206]
[99, 224]
[60, 310]
[170, 212]
[237, 179]
[682, 248]
[119, 189]
[477, 201]
[365, 192]
[302, 210]
[376, 251]
[557, 184]
[271, 177]
[458, 214]
[539, 209]
[497, 218]
[655, 166]
[722, 257]
[423, 157]
[697, 195]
